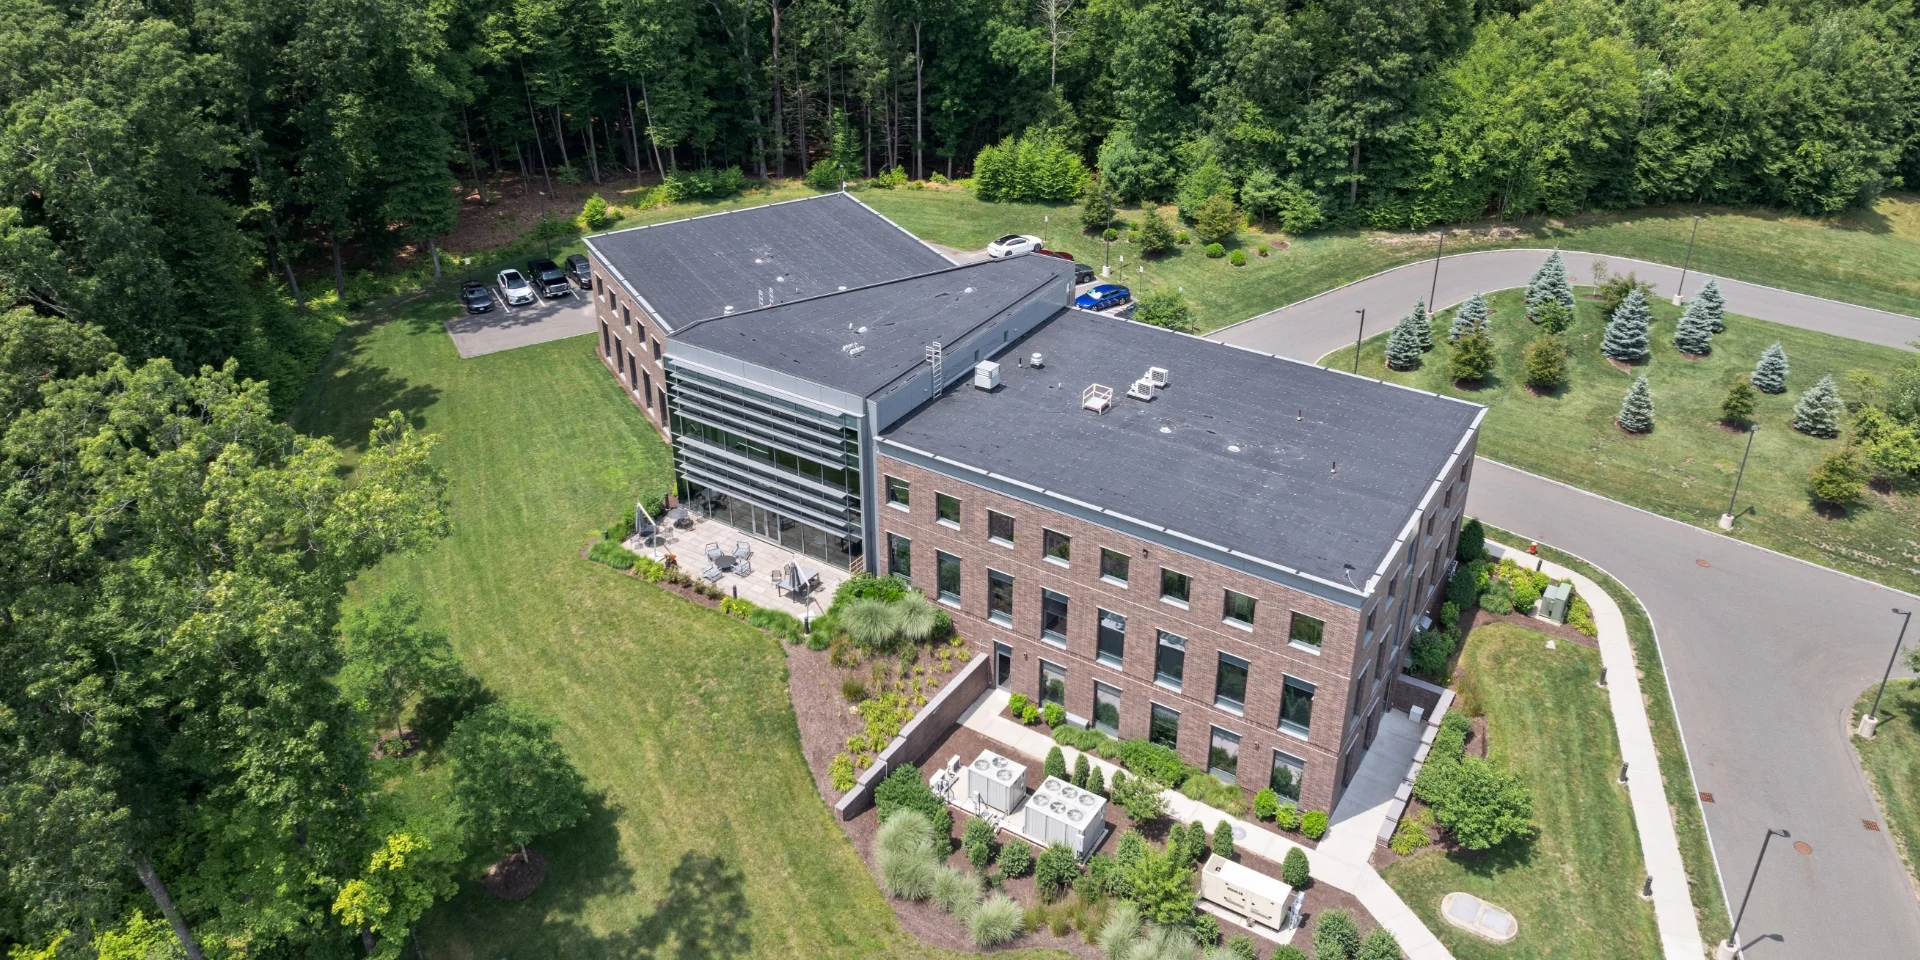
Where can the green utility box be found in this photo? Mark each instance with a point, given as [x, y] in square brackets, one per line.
[1553, 603]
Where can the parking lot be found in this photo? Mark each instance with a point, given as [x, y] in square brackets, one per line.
[504, 327]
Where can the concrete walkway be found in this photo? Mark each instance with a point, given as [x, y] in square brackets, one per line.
[1354, 829]
[1334, 867]
[1659, 844]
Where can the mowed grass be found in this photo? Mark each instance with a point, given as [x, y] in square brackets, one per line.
[1871, 257]
[1685, 467]
[1892, 761]
[1676, 777]
[708, 839]
[1575, 888]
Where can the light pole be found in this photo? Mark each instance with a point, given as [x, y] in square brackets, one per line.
[1357, 337]
[1726, 519]
[1434, 289]
[1731, 948]
[1106, 236]
[1872, 719]
[1688, 262]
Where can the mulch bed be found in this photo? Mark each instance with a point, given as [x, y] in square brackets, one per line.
[404, 744]
[826, 718]
[515, 877]
[1475, 617]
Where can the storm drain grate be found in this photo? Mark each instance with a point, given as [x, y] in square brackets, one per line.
[1706, 797]
[1873, 825]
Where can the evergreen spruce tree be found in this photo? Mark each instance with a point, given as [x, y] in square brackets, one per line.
[1695, 333]
[1626, 339]
[1471, 316]
[1560, 288]
[1819, 411]
[1423, 325]
[1535, 283]
[1636, 413]
[1770, 374]
[1710, 300]
[1403, 345]
[1549, 284]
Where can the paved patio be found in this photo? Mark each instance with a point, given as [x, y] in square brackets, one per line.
[688, 545]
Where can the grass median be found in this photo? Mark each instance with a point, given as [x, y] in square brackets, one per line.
[1892, 762]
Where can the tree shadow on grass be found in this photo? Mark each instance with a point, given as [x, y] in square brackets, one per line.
[1490, 864]
[701, 915]
[349, 392]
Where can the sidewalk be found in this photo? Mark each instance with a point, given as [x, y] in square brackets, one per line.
[1336, 867]
[1659, 845]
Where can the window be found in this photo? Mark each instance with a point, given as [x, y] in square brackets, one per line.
[1431, 517]
[606, 340]
[1113, 566]
[1360, 689]
[897, 492]
[1057, 546]
[1288, 771]
[1370, 614]
[1223, 755]
[947, 509]
[1170, 660]
[1237, 609]
[1449, 498]
[656, 349]
[1106, 709]
[647, 379]
[999, 527]
[949, 576]
[1113, 638]
[1174, 586]
[1296, 706]
[899, 556]
[626, 319]
[1053, 683]
[1230, 683]
[1000, 598]
[1306, 631]
[1163, 727]
[1053, 616]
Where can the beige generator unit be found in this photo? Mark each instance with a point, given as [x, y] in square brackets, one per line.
[996, 781]
[1060, 812]
[1553, 603]
[1244, 891]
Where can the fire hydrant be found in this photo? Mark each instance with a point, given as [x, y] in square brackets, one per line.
[1533, 549]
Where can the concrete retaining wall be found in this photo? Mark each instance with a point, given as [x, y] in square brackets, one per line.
[921, 733]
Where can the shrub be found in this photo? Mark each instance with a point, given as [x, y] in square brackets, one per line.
[1154, 236]
[994, 922]
[1430, 650]
[1484, 806]
[1206, 929]
[1218, 220]
[1164, 308]
[1208, 789]
[1288, 818]
[1407, 838]
[977, 840]
[954, 891]
[1223, 839]
[908, 876]
[1096, 781]
[1262, 250]
[1838, 479]
[1553, 316]
[1054, 714]
[1056, 763]
[1288, 952]
[1242, 947]
[1153, 761]
[1449, 614]
[613, 555]
[1473, 542]
[1055, 871]
[853, 689]
[1545, 363]
[1215, 251]
[1182, 237]
[1096, 207]
[1294, 868]
[1140, 798]
[597, 214]
[904, 790]
[1080, 738]
[1030, 715]
[1297, 207]
[1472, 358]
[1614, 290]
[1462, 590]
[1017, 704]
[1118, 932]
[1335, 934]
[1313, 823]
[1525, 595]
[1379, 945]
[1163, 887]
[1081, 770]
[1266, 804]
[840, 771]
[1035, 167]
[1237, 258]
[1015, 859]
[908, 863]
[1580, 616]
[1497, 598]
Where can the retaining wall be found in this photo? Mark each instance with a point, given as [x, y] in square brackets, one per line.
[919, 735]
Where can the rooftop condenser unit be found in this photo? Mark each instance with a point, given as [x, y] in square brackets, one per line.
[1060, 812]
[997, 781]
[986, 375]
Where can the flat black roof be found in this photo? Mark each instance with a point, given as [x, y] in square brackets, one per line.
[1170, 462]
[892, 321]
[693, 269]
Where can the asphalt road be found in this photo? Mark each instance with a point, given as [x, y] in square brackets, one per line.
[1317, 326]
[1764, 654]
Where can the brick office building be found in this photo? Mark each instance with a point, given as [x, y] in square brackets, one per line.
[1229, 561]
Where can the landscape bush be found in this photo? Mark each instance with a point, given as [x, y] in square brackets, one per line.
[1153, 761]
[1480, 805]
[1055, 871]
[597, 214]
[1545, 363]
[1080, 738]
[1054, 714]
[1238, 258]
[954, 891]
[1223, 839]
[1118, 932]
[1205, 929]
[1139, 797]
[840, 771]
[1379, 945]
[1215, 251]
[612, 554]
[1081, 771]
[1266, 804]
[1242, 947]
[1208, 789]
[1407, 838]
[1838, 479]
[1613, 290]
[1030, 715]
[1449, 614]
[853, 689]
[1294, 868]
[977, 840]
[1217, 221]
[903, 789]
[1056, 762]
[1313, 824]
[1463, 588]
[1162, 885]
[1288, 818]
[995, 921]
[1034, 167]
[1472, 358]
[1154, 236]
[1580, 616]
[1430, 650]
[905, 848]
[1164, 307]
[1017, 704]
[1497, 598]
[1473, 541]
[1335, 935]
[1015, 859]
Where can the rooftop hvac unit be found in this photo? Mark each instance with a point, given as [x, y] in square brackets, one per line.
[1096, 398]
[1142, 389]
[1156, 376]
[986, 375]
[1035, 360]
[1253, 895]
[999, 782]
[1060, 812]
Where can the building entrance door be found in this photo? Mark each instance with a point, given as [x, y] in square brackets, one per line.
[1002, 664]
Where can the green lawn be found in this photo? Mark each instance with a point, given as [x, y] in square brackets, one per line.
[1872, 258]
[1892, 761]
[1703, 878]
[1685, 468]
[1575, 888]
[709, 839]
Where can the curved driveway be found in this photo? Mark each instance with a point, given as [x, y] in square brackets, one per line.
[1764, 654]
[1317, 326]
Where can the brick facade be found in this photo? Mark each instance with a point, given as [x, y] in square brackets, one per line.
[630, 346]
[1337, 733]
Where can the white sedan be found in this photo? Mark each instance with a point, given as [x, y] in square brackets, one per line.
[515, 289]
[1011, 244]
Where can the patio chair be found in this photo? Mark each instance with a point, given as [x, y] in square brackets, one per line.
[742, 566]
[742, 550]
[711, 574]
[713, 552]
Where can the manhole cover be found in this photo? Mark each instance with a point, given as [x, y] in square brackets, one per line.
[1706, 797]
[1802, 847]
[1873, 825]
[1703, 563]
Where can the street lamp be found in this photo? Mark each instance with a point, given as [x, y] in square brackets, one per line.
[1726, 519]
[1689, 261]
[1357, 337]
[1434, 289]
[1106, 236]
[1731, 948]
[1872, 719]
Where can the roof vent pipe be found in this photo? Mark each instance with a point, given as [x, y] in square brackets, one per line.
[1037, 360]
[1335, 468]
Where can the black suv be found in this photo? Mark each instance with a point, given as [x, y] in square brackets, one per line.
[1082, 274]
[548, 278]
[580, 270]
[475, 297]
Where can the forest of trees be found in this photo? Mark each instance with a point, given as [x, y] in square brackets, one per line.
[173, 169]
